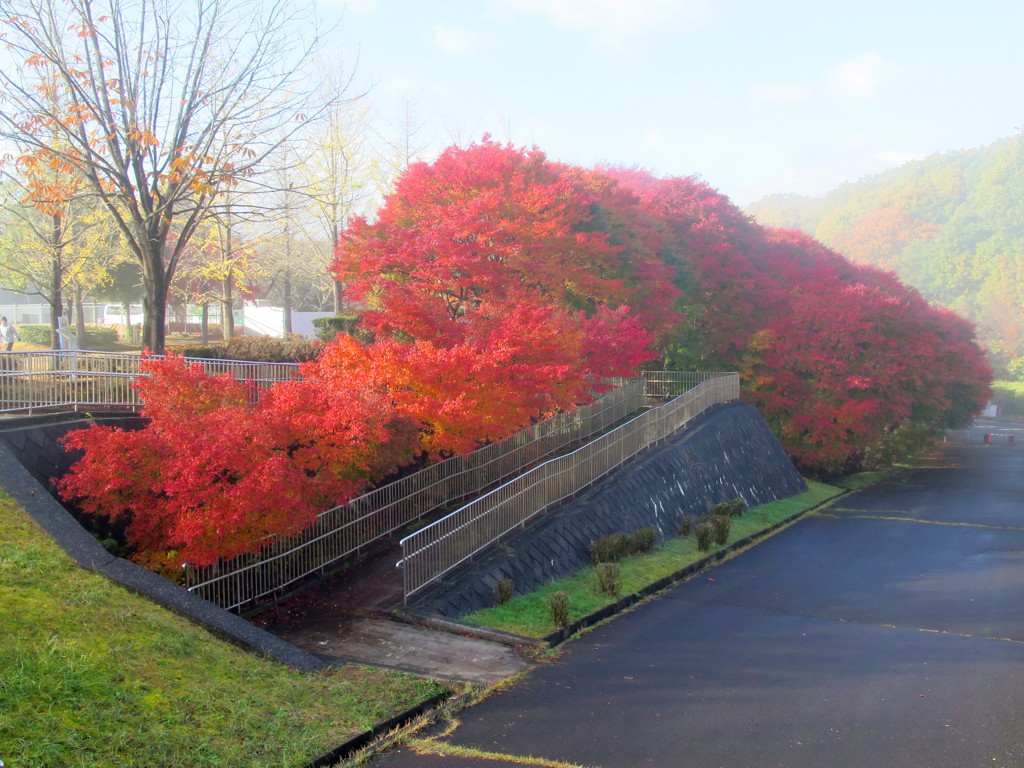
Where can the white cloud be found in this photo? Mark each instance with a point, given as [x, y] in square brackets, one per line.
[780, 94]
[613, 21]
[457, 41]
[860, 77]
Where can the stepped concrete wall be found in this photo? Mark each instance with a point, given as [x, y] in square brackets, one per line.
[726, 453]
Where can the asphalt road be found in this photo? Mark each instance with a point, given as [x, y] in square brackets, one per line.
[885, 632]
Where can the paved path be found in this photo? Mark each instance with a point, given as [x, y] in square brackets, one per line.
[888, 633]
[348, 619]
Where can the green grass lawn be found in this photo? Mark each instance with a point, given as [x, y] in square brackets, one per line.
[93, 675]
[528, 615]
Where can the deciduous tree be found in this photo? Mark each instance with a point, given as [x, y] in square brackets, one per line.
[212, 476]
[159, 105]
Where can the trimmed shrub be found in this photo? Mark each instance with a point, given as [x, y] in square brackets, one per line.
[558, 608]
[704, 532]
[608, 578]
[97, 334]
[721, 526]
[328, 328]
[506, 587]
[101, 334]
[732, 508]
[615, 546]
[686, 527]
[193, 326]
[258, 349]
[642, 540]
[609, 549]
[737, 507]
[35, 334]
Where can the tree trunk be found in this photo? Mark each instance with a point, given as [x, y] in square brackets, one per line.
[55, 297]
[227, 318]
[79, 315]
[154, 300]
[126, 313]
[287, 301]
[205, 323]
[339, 289]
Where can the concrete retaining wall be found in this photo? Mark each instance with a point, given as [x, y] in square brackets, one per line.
[34, 442]
[728, 452]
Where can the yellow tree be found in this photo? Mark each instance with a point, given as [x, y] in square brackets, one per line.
[221, 263]
[159, 105]
[336, 175]
[52, 232]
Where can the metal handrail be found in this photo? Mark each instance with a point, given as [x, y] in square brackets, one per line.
[437, 549]
[349, 528]
[81, 379]
[33, 381]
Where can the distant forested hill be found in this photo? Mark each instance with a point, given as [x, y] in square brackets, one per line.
[951, 225]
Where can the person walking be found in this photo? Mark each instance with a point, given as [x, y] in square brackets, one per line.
[8, 334]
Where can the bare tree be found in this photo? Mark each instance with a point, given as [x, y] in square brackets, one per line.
[281, 257]
[164, 104]
[403, 143]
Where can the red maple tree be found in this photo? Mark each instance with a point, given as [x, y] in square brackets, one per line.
[212, 476]
[500, 287]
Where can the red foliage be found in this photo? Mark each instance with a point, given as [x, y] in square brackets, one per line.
[525, 362]
[211, 476]
[833, 354]
[494, 224]
[848, 353]
[502, 287]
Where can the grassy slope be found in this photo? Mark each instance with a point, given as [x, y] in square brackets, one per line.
[92, 675]
[528, 615]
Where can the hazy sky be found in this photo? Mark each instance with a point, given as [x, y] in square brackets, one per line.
[753, 96]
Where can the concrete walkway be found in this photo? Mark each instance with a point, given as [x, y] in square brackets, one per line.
[349, 619]
[885, 632]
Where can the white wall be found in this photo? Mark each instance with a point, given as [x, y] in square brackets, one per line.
[269, 321]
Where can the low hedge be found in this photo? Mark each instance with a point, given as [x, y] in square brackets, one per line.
[328, 328]
[257, 349]
[38, 333]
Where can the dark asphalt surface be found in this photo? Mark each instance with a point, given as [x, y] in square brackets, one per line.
[886, 632]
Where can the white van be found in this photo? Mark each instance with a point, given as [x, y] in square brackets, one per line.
[113, 314]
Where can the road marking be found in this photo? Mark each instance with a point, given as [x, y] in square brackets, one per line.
[863, 515]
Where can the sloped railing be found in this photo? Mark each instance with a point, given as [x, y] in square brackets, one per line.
[347, 529]
[437, 549]
[38, 381]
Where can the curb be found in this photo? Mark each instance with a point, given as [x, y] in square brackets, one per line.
[335, 756]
